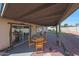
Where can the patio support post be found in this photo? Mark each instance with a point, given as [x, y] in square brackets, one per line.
[29, 39]
[57, 31]
[10, 35]
[36, 29]
[42, 31]
[46, 34]
[57, 34]
[59, 28]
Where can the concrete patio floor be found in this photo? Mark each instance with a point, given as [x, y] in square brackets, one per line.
[69, 41]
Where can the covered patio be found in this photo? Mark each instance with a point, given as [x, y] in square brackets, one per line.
[40, 15]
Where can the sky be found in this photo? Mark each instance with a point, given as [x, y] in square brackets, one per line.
[72, 19]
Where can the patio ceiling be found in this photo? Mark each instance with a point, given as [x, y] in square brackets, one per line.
[48, 14]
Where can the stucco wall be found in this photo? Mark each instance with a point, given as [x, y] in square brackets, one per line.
[4, 32]
[4, 35]
[69, 29]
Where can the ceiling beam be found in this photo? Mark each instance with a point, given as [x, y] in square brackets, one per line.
[49, 16]
[37, 9]
[46, 19]
[46, 12]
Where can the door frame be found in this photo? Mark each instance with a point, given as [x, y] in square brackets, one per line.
[10, 32]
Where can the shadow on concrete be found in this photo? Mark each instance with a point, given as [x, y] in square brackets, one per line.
[50, 46]
[71, 43]
[69, 46]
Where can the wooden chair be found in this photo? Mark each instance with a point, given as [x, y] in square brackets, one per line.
[39, 43]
